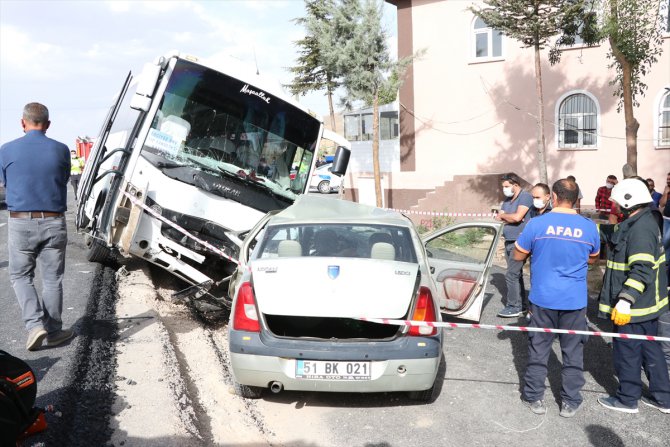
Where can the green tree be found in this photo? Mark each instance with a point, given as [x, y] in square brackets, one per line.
[534, 23]
[634, 30]
[313, 70]
[362, 58]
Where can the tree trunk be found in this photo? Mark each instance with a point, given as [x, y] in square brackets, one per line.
[632, 125]
[333, 127]
[541, 144]
[375, 149]
[329, 93]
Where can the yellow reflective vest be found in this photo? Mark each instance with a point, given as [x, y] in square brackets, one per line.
[76, 165]
[635, 267]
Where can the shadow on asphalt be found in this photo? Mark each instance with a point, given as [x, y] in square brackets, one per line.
[600, 436]
[498, 281]
[42, 365]
[597, 350]
[301, 399]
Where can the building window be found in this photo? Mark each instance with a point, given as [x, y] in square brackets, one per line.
[366, 127]
[578, 122]
[352, 127]
[388, 126]
[664, 120]
[358, 126]
[487, 41]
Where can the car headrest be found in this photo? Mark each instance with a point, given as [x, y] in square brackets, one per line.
[382, 250]
[287, 249]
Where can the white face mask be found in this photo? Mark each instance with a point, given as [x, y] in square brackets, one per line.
[508, 191]
[609, 185]
[538, 203]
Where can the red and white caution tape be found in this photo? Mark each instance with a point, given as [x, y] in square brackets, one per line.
[439, 324]
[437, 214]
[149, 210]
[479, 215]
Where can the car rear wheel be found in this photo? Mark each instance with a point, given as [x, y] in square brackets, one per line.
[431, 394]
[246, 391]
[324, 187]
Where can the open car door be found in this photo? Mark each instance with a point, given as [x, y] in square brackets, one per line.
[460, 258]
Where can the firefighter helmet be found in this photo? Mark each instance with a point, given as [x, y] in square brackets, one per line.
[630, 192]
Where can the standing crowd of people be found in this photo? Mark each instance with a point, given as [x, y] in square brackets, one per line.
[546, 227]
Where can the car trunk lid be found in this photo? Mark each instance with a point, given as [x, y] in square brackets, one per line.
[334, 287]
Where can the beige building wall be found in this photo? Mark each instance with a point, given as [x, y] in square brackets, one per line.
[474, 118]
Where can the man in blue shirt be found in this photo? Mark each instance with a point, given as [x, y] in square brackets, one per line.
[35, 170]
[514, 213]
[561, 244]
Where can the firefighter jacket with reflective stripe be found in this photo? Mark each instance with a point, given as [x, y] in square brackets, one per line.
[635, 267]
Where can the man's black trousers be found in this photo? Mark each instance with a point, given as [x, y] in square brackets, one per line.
[572, 353]
[631, 355]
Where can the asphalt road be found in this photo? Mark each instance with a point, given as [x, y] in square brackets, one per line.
[63, 373]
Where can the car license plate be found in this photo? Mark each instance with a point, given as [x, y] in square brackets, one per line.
[320, 370]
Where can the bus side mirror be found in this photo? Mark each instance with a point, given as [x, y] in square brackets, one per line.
[341, 160]
[146, 86]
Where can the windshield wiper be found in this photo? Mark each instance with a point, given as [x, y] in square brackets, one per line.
[247, 180]
[202, 165]
[161, 162]
[169, 165]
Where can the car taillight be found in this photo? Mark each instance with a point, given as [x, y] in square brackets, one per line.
[424, 311]
[246, 315]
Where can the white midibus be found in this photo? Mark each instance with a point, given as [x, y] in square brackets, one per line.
[192, 154]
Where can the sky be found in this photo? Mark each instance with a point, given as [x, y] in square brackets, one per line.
[73, 56]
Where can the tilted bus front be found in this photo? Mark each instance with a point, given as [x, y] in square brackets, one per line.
[189, 158]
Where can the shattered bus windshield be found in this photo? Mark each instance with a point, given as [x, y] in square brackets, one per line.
[214, 122]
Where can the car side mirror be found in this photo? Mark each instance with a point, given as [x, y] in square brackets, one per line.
[341, 161]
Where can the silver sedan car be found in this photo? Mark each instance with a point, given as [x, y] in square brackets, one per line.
[313, 272]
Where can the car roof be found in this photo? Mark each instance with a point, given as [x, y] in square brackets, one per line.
[315, 209]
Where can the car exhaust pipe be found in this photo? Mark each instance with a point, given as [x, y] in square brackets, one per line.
[276, 387]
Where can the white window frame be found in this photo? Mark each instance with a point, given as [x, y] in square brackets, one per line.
[658, 111]
[557, 117]
[489, 39]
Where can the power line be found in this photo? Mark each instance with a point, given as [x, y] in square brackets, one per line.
[431, 123]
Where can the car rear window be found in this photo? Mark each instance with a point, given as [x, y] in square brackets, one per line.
[382, 242]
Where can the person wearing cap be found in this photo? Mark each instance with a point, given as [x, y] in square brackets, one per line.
[634, 295]
[76, 168]
[35, 170]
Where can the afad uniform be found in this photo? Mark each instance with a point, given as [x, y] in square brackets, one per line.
[635, 267]
[560, 244]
